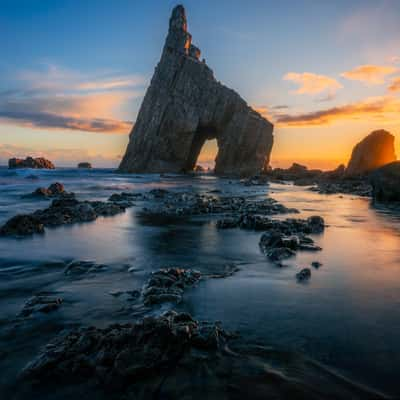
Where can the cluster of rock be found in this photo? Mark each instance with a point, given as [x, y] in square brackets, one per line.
[41, 303]
[189, 203]
[121, 356]
[85, 165]
[365, 175]
[54, 190]
[314, 224]
[284, 238]
[30, 162]
[168, 285]
[64, 210]
[185, 106]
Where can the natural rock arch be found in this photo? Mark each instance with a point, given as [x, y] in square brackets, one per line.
[185, 106]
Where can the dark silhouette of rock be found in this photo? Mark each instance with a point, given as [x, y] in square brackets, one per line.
[85, 165]
[185, 106]
[30, 162]
[22, 225]
[374, 151]
[385, 182]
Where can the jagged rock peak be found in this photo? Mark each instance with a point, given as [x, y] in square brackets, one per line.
[179, 39]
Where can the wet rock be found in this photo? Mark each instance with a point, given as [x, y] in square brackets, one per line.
[40, 303]
[29, 162]
[316, 264]
[63, 210]
[119, 356]
[83, 267]
[22, 225]
[385, 182]
[189, 204]
[199, 169]
[304, 274]
[374, 151]
[168, 285]
[85, 165]
[358, 187]
[280, 253]
[316, 224]
[184, 106]
[54, 190]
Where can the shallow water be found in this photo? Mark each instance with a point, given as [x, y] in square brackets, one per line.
[345, 317]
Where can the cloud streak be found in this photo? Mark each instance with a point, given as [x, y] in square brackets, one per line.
[395, 85]
[312, 84]
[377, 108]
[370, 74]
[61, 99]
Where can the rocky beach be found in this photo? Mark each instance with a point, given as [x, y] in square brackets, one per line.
[262, 278]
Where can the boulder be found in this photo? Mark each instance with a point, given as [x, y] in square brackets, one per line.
[29, 162]
[22, 225]
[85, 165]
[374, 151]
[386, 182]
[185, 106]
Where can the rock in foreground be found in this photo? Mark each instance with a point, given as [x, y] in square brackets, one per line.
[386, 182]
[374, 151]
[29, 162]
[185, 106]
[174, 356]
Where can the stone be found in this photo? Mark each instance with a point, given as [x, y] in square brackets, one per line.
[316, 264]
[54, 190]
[386, 182]
[168, 285]
[40, 303]
[22, 225]
[30, 162]
[374, 151]
[185, 106]
[85, 165]
[304, 274]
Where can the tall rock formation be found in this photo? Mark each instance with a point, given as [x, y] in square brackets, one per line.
[185, 106]
[372, 152]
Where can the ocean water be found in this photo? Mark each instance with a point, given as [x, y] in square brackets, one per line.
[346, 317]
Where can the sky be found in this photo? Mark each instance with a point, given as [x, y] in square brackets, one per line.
[73, 73]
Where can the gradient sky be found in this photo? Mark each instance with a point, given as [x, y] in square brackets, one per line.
[73, 73]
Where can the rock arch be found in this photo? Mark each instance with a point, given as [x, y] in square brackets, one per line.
[184, 106]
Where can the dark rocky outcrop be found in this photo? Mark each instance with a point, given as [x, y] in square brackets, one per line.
[54, 190]
[62, 211]
[386, 182]
[29, 162]
[184, 106]
[374, 151]
[85, 165]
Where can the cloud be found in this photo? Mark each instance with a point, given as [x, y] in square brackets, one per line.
[310, 83]
[395, 85]
[55, 98]
[385, 108]
[370, 74]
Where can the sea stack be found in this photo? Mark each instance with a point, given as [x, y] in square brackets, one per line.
[30, 162]
[374, 151]
[185, 106]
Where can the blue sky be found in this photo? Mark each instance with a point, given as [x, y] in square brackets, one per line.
[73, 73]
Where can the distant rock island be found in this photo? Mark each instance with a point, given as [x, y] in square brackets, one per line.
[30, 162]
[374, 151]
[85, 165]
[185, 106]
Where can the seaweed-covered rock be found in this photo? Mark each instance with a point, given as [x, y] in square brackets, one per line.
[168, 285]
[22, 225]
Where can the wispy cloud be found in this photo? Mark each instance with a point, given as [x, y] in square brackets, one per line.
[395, 85]
[57, 98]
[385, 108]
[311, 84]
[370, 74]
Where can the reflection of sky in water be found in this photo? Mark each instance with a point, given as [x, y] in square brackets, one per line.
[346, 316]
